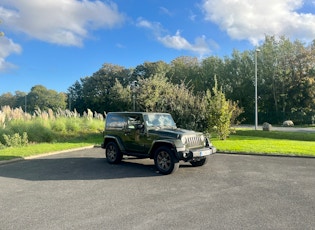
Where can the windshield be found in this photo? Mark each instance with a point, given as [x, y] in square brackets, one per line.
[159, 120]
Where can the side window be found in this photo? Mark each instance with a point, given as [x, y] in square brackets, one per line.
[115, 121]
[134, 121]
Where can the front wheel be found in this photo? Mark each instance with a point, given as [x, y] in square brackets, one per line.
[199, 162]
[113, 154]
[165, 161]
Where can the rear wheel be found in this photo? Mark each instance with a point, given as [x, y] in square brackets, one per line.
[113, 154]
[165, 161]
[198, 163]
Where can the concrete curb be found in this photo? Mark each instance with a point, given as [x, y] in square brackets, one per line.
[264, 154]
[47, 154]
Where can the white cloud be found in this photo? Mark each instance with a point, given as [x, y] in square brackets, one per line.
[192, 16]
[64, 22]
[180, 43]
[155, 27]
[200, 45]
[8, 47]
[165, 11]
[253, 19]
[144, 23]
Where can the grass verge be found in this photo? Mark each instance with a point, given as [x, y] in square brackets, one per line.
[273, 142]
[41, 148]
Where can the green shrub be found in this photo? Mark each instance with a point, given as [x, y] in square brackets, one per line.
[73, 125]
[18, 126]
[219, 112]
[15, 140]
[36, 129]
[38, 132]
[58, 125]
[1, 146]
[4, 132]
[91, 125]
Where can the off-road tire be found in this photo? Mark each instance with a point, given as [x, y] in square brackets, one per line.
[165, 161]
[113, 153]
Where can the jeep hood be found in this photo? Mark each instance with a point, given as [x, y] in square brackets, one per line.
[174, 133]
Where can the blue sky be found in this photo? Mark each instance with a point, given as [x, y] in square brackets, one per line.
[56, 42]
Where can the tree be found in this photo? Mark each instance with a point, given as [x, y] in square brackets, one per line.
[160, 95]
[286, 80]
[184, 70]
[302, 91]
[121, 97]
[20, 100]
[7, 99]
[150, 69]
[286, 88]
[210, 67]
[237, 81]
[96, 89]
[75, 98]
[42, 98]
[153, 93]
[14, 101]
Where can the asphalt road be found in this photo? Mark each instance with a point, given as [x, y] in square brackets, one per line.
[79, 190]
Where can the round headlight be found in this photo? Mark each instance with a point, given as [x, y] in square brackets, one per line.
[202, 137]
[183, 139]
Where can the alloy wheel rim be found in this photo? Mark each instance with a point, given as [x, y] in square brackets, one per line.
[111, 153]
[164, 160]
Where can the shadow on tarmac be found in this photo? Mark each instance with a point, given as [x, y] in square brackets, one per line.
[82, 168]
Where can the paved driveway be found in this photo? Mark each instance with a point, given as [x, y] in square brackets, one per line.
[79, 190]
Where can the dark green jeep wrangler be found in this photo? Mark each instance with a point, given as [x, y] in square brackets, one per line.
[155, 136]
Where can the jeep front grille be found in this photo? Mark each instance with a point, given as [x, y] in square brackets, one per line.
[193, 141]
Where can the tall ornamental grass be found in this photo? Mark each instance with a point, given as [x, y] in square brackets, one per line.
[46, 126]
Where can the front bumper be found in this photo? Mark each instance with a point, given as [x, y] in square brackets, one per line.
[196, 153]
[203, 152]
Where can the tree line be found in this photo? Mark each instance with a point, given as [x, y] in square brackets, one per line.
[286, 86]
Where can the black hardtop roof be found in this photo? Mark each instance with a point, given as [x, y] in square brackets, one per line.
[143, 113]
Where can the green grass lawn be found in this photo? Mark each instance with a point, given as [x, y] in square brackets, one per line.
[41, 148]
[273, 142]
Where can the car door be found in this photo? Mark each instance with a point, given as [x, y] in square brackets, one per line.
[135, 138]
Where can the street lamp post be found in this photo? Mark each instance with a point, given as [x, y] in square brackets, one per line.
[256, 102]
[134, 86]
